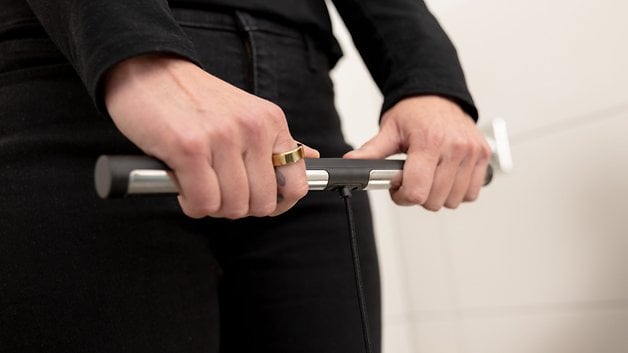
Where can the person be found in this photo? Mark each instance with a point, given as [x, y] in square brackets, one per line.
[213, 88]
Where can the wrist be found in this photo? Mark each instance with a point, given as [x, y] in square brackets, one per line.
[139, 68]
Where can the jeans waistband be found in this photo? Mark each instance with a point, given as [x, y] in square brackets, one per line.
[251, 23]
[15, 53]
[234, 20]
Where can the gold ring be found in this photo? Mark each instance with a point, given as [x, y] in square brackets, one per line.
[292, 156]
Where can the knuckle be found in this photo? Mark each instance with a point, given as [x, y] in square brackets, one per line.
[236, 212]
[459, 148]
[193, 213]
[200, 211]
[208, 209]
[263, 210]
[224, 134]
[434, 138]
[253, 124]
[275, 114]
[434, 207]
[191, 144]
[481, 151]
[485, 152]
[474, 150]
[472, 196]
[416, 196]
[452, 204]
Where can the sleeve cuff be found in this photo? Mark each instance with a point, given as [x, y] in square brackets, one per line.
[418, 85]
[101, 61]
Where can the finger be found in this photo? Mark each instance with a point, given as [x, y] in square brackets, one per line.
[395, 182]
[291, 186]
[291, 182]
[233, 182]
[444, 179]
[199, 193]
[470, 176]
[477, 178]
[262, 183]
[380, 146]
[417, 177]
[461, 183]
[309, 152]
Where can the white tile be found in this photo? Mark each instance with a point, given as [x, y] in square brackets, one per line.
[397, 337]
[576, 332]
[395, 296]
[536, 62]
[554, 231]
[437, 337]
[428, 274]
[358, 99]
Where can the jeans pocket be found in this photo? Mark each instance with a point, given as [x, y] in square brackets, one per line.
[222, 48]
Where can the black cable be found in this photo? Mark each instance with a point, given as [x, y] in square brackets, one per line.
[345, 192]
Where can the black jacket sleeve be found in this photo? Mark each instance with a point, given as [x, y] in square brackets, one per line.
[406, 50]
[94, 35]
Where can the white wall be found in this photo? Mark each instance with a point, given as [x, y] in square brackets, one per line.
[540, 263]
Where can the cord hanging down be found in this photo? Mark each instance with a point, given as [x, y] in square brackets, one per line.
[345, 192]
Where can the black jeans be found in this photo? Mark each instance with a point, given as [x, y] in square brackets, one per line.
[80, 274]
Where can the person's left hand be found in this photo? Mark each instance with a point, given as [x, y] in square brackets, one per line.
[447, 155]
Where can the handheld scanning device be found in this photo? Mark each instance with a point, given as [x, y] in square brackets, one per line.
[122, 176]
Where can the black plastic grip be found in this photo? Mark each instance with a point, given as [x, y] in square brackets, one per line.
[353, 173]
[112, 173]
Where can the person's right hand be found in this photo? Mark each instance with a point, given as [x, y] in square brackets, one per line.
[217, 139]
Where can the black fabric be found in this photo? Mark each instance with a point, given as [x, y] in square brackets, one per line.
[80, 274]
[404, 47]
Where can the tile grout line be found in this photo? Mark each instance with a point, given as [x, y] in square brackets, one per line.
[403, 262]
[452, 288]
[570, 123]
[520, 310]
[400, 263]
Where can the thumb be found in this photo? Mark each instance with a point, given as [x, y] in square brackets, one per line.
[310, 152]
[380, 146]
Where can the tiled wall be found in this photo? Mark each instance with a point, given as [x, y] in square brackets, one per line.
[540, 263]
